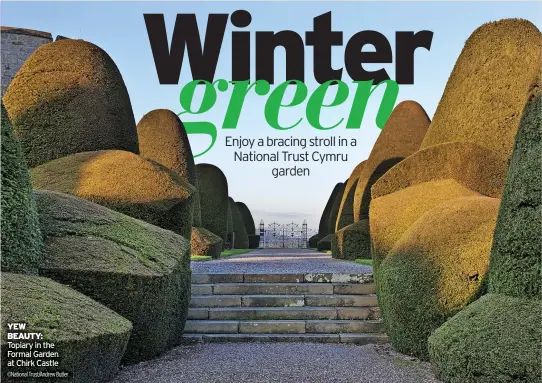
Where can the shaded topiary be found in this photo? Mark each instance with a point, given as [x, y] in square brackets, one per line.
[125, 182]
[435, 269]
[240, 232]
[253, 241]
[485, 94]
[213, 192]
[89, 338]
[401, 136]
[247, 217]
[162, 138]
[345, 216]
[20, 234]
[204, 242]
[324, 244]
[253, 238]
[516, 267]
[495, 339]
[323, 227]
[313, 241]
[230, 220]
[352, 242]
[69, 97]
[136, 269]
[334, 212]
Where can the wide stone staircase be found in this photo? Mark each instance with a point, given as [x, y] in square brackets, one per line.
[325, 307]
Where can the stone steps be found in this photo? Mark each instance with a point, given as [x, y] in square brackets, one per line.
[283, 326]
[283, 300]
[289, 313]
[316, 338]
[323, 307]
[249, 288]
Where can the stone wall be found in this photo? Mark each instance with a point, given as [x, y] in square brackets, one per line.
[17, 44]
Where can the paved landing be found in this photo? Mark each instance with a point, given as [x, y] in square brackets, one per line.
[276, 261]
[279, 362]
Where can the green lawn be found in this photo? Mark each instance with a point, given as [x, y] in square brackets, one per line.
[368, 262]
[224, 254]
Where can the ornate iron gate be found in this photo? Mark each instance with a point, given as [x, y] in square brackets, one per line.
[289, 235]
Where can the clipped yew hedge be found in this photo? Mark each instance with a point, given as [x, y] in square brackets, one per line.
[498, 337]
[162, 138]
[89, 337]
[241, 237]
[323, 227]
[203, 242]
[247, 217]
[516, 267]
[69, 97]
[495, 339]
[124, 182]
[352, 242]
[213, 192]
[401, 136]
[435, 270]
[20, 235]
[139, 270]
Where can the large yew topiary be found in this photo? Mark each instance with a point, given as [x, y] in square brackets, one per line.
[352, 242]
[162, 138]
[253, 238]
[485, 94]
[247, 217]
[435, 270]
[388, 226]
[345, 216]
[89, 337]
[334, 212]
[313, 241]
[136, 269]
[125, 182]
[324, 244]
[495, 339]
[401, 136]
[241, 237]
[516, 265]
[213, 192]
[69, 97]
[498, 337]
[323, 227]
[203, 242]
[465, 151]
[20, 235]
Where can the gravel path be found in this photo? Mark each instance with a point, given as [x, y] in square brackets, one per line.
[279, 362]
[269, 261]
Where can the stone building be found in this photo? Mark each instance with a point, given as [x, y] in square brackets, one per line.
[17, 44]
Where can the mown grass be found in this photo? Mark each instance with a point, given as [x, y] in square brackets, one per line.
[367, 262]
[224, 254]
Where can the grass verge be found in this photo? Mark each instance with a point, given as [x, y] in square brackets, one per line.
[367, 262]
[224, 254]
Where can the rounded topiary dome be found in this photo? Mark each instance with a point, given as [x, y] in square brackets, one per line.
[213, 191]
[241, 237]
[162, 138]
[69, 97]
[247, 217]
[435, 270]
[125, 182]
